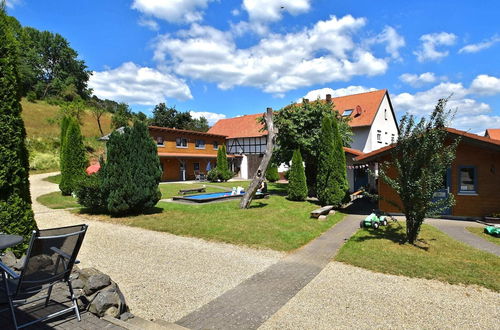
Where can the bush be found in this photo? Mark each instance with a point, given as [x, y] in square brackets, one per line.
[43, 161]
[272, 174]
[73, 158]
[31, 96]
[90, 193]
[223, 171]
[287, 175]
[297, 186]
[213, 175]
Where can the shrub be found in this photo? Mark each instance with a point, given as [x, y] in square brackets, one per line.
[213, 175]
[31, 96]
[90, 193]
[132, 171]
[297, 186]
[272, 174]
[16, 214]
[331, 179]
[73, 158]
[223, 171]
[43, 161]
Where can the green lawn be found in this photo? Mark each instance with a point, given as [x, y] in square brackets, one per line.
[53, 179]
[480, 232]
[55, 200]
[437, 256]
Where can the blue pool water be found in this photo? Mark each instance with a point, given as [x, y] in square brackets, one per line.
[212, 195]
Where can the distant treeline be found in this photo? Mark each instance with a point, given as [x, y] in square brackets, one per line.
[49, 69]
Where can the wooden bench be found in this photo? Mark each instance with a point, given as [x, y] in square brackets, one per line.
[186, 191]
[322, 211]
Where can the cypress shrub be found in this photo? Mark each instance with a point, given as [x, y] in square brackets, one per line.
[64, 128]
[223, 171]
[16, 215]
[331, 179]
[132, 171]
[272, 174]
[73, 158]
[90, 193]
[297, 186]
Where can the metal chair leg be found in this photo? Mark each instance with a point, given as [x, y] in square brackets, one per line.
[48, 295]
[73, 299]
[11, 304]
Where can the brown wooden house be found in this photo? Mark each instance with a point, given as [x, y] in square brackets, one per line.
[473, 179]
[184, 154]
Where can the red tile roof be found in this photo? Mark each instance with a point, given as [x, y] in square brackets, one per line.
[247, 126]
[493, 133]
[473, 137]
[244, 126]
[355, 152]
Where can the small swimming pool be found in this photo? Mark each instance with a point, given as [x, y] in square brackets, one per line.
[203, 198]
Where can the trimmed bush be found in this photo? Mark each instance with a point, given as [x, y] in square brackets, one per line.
[213, 175]
[132, 171]
[331, 179]
[16, 215]
[223, 171]
[90, 193]
[73, 158]
[272, 174]
[297, 186]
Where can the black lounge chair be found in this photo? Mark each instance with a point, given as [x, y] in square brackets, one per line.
[49, 260]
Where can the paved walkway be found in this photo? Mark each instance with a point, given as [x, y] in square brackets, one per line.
[457, 230]
[251, 303]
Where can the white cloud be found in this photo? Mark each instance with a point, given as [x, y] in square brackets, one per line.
[174, 11]
[392, 39]
[278, 63]
[476, 124]
[235, 12]
[418, 80]
[321, 93]
[133, 84]
[211, 117]
[12, 3]
[271, 10]
[474, 48]
[149, 23]
[428, 51]
[485, 85]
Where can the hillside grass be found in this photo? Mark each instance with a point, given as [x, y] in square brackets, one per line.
[435, 256]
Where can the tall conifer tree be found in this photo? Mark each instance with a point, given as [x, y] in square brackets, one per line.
[16, 215]
[297, 186]
[73, 158]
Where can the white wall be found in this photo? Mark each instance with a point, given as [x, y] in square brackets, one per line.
[244, 167]
[385, 124]
[360, 138]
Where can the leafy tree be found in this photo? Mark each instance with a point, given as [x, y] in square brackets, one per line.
[299, 127]
[121, 116]
[272, 174]
[420, 158]
[98, 109]
[297, 186]
[164, 116]
[73, 158]
[331, 181]
[198, 124]
[16, 215]
[132, 171]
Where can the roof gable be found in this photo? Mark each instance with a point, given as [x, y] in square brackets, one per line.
[493, 133]
[244, 126]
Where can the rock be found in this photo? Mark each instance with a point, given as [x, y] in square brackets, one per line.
[20, 263]
[126, 316]
[322, 218]
[77, 284]
[39, 262]
[9, 259]
[93, 280]
[332, 212]
[103, 302]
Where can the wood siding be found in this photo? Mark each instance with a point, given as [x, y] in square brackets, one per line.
[487, 199]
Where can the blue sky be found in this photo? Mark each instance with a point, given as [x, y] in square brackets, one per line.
[228, 58]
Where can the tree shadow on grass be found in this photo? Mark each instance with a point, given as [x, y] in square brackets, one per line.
[257, 205]
[90, 211]
[393, 232]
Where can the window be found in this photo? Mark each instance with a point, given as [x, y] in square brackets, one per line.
[379, 136]
[159, 140]
[385, 114]
[199, 144]
[347, 113]
[196, 166]
[216, 145]
[392, 138]
[467, 180]
[181, 143]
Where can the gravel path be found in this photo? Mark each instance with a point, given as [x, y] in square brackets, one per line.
[162, 276]
[343, 296]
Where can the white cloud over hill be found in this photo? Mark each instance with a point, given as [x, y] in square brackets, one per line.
[428, 50]
[174, 11]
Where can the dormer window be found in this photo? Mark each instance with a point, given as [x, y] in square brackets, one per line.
[347, 112]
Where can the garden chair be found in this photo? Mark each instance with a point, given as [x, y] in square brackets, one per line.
[49, 260]
[198, 175]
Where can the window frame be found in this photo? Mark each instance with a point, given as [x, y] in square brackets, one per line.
[194, 166]
[379, 136]
[181, 146]
[196, 144]
[158, 144]
[475, 180]
[215, 145]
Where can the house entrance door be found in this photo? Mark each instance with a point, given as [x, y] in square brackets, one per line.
[182, 170]
[360, 178]
[444, 192]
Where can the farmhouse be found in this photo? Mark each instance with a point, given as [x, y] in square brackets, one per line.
[473, 178]
[373, 123]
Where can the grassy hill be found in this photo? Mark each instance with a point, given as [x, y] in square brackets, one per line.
[42, 129]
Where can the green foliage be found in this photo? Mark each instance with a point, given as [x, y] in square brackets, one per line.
[222, 164]
[213, 175]
[16, 215]
[331, 180]
[164, 116]
[421, 158]
[64, 128]
[299, 127]
[121, 116]
[31, 96]
[73, 158]
[297, 186]
[43, 161]
[272, 174]
[90, 193]
[132, 171]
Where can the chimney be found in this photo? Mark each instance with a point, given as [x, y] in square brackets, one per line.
[328, 98]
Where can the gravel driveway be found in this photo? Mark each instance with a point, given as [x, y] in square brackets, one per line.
[162, 276]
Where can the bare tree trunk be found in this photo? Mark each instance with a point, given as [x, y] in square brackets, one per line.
[261, 171]
[99, 124]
